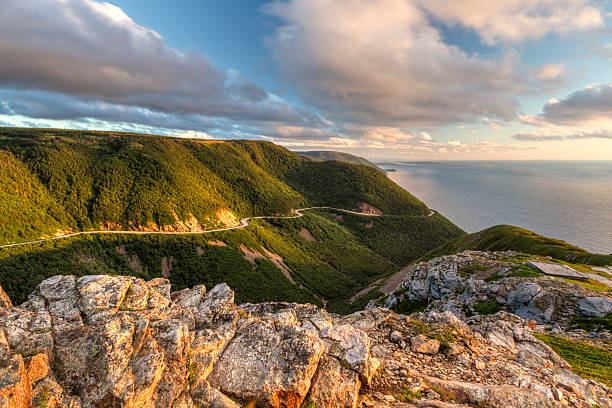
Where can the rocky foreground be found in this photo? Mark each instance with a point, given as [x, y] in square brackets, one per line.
[102, 341]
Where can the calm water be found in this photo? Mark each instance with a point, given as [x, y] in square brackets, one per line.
[571, 201]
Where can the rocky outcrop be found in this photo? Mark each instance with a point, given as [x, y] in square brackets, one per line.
[461, 282]
[102, 341]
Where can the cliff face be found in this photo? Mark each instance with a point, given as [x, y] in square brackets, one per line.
[102, 341]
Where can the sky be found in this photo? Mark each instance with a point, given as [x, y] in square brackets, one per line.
[384, 79]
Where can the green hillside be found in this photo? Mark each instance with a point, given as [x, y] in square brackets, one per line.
[324, 155]
[508, 237]
[83, 180]
[57, 180]
[327, 260]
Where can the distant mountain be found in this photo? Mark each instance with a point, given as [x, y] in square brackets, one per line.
[324, 155]
[511, 238]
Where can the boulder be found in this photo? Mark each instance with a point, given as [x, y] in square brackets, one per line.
[395, 337]
[595, 306]
[205, 396]
[530, 301]
[271, 363]
[100, 293]
[49, 394]
[59, 297]
[352, 347]
[5, 348]
[424, 345]
[103, 341]
[334, 385]
[37, 367]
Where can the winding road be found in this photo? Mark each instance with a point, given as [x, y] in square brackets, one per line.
[244, 222]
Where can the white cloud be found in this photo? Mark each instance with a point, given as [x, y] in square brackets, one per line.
[381, 63]
[516, 20]
[549, 72]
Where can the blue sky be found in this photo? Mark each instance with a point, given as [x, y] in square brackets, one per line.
[387, 79]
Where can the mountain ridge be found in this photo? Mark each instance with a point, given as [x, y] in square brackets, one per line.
[84, 180]
[329, 155]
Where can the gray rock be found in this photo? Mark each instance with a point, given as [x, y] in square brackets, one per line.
[531, 302]
[270, 363]
[352, 346]
[395, 336]
[100, 293]
[595, 306]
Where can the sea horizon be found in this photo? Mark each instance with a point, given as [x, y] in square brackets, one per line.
[569, 200]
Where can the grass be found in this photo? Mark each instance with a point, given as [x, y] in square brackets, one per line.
[42, 399]
[445, 335]
[407, 306]
[591, 324]
[520, 271]
[586, 360]
[471, 269]
[308, 404]
[408, 395]
[524, 271]
[509, 237]
[490, 307]
[590, 284]
[445, 395]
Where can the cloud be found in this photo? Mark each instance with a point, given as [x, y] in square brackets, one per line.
[381, 62]
[491, 124]
[536, 137]
[592, 104]
[94, 51]
[548, 72]
[516, 20]
[604, 50]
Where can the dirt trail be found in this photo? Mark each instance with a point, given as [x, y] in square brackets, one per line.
[393, 282]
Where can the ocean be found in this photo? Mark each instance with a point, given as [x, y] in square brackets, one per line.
[568, 200]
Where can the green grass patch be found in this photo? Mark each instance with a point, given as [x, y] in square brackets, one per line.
[471, 269]
[407, 306]
[490, 307]
[519, 271]
[590, 324]
[586, 360]
[511, 238]
[408, 395]
[590, 284]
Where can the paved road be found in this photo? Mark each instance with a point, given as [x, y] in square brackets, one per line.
[243, 223]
